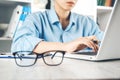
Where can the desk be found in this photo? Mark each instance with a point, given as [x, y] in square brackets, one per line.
[69, 69]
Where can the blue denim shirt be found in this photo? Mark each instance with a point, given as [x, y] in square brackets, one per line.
[46, 26]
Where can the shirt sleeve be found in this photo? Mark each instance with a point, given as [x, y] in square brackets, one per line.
[93, 29]
[27, 36]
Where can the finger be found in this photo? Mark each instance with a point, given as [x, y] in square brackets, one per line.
[95, 41]
[95, 46]
[90, 44]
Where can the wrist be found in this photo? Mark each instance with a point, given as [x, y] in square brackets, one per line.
[69, 47]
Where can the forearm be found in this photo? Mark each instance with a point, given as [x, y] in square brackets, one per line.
[69, 47]
[49, 46]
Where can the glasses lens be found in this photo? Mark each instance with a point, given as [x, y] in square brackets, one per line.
[55, 58]
[25, 58]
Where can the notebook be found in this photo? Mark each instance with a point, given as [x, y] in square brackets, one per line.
[110, 45]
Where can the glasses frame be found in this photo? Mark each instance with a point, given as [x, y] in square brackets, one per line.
[40, 55]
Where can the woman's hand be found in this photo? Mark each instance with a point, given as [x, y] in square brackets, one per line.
[72, 46]
[82, 43]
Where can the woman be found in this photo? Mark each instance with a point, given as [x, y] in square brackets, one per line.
[57, 29]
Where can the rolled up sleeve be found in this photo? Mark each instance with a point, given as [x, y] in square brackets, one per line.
[27, 36]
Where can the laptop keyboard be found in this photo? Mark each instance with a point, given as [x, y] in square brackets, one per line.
[86, 53]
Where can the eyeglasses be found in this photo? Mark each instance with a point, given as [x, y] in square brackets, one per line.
[28, 58]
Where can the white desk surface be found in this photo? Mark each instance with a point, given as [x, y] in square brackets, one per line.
[69, 69]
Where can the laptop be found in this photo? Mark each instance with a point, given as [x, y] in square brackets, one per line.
[110, 45]
[5, 46]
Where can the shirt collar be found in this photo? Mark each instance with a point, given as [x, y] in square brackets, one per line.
[72, 18]
[54, 18]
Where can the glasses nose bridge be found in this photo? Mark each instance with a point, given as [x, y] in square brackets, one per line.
[22, 57]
